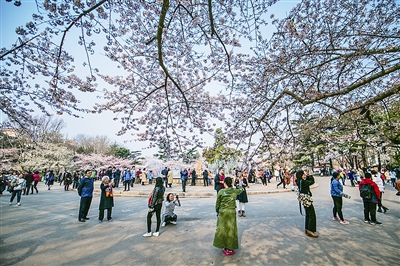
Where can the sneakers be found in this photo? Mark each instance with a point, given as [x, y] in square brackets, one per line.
[228, 252]
[10, 203]
[111, 219]
[366, 221]
[335, 218]
[344, 222]
[156, 234]
[100, 221]
[147, 234]
[18, 204]
[163, 224]
[173, 222]
[375, 223]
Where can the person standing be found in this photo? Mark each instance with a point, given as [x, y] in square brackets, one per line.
[85, 191]
[29, 181]
[144, 176]
[370, 203]
[170, 178]
[133, 175]
[242, 197]
[193, 177]
[337, 197]
[164, 174]
[376, 177]
[67, 181]
[155, 204]
[205, 178]
[226, 234]
[150, 177]
[169, 216]
[127, 179]
[184, 178]
[106, 199]
[303, 183]
[219, 180]
[281, 178]
[18, 184]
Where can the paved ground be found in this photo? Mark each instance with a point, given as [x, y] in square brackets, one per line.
[45, 231]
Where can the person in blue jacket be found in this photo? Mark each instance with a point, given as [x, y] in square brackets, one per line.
[85, 191]
[337, 197]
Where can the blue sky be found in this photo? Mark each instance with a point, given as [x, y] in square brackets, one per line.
[103, 124]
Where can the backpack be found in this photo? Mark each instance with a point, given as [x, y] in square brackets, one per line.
[366, 191]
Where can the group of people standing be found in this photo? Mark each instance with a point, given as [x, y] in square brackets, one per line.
[19, 184]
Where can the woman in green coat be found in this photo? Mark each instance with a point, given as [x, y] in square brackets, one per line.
[226, 235]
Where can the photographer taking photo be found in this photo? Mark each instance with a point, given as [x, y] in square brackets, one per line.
[169, 216]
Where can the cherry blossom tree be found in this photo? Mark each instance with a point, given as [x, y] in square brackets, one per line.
[185, 64]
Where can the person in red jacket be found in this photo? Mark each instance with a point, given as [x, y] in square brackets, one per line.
[370, 204]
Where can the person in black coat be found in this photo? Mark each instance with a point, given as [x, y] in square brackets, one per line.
[304, 182]
[106, 199]
[205, 178]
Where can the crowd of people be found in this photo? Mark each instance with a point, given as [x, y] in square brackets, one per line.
[231, 193]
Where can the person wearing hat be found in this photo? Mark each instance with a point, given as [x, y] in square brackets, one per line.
[370, 204]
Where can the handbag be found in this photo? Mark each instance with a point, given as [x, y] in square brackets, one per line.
[304, 199]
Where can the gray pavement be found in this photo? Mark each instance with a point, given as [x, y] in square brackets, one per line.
[45, 231]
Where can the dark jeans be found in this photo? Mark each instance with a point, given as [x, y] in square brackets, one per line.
[132, 181]
[126, 184]
[18, 193]
[369, 210]
[27, 188]
[101, 214]
[311, 218]
[193, 181]
[116, 181]
[337, 207]
[157, 210]
[84, 207]
[168, 218]
[66, 187]
[34, 186]
[165, 180]
[380, 202]
[284, 184]
[205, 182]
[184, 186]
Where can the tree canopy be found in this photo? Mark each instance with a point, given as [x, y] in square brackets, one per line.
[331, 58]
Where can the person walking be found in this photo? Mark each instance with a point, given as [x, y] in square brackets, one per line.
[219, 180]
[376, 177]
[18, 184]
[242, 197]
[281, 178]
[303, 183]
[155, 204]
[371, 201]
[106, 199]
[36, 179]
[85, 191]
[169, 216]
[337, 197]
[50, 180]
[29, 180]
[226, 234]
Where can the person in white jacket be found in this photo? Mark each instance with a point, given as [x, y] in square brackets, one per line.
[376, 177]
